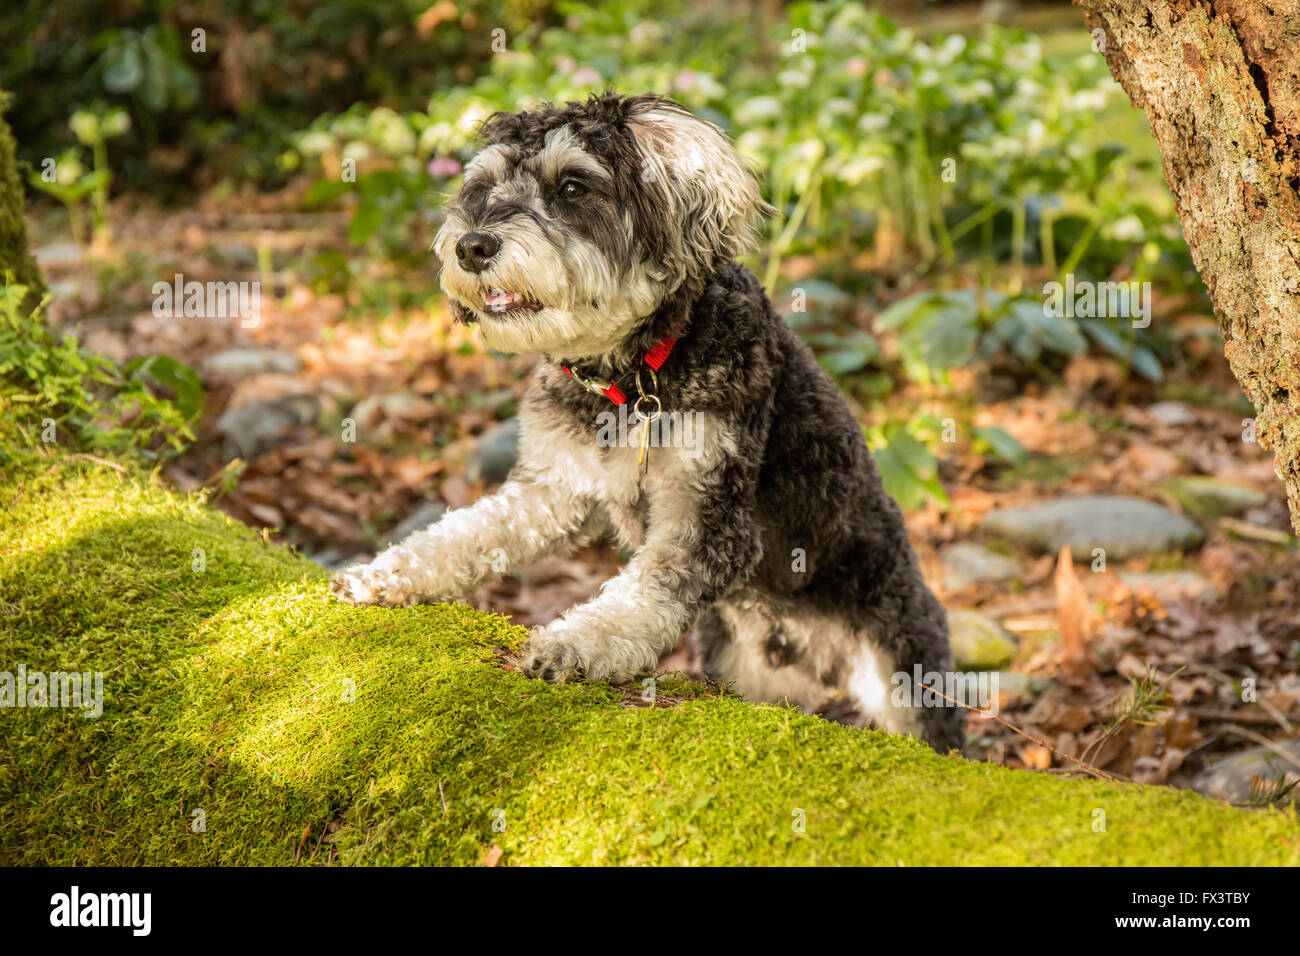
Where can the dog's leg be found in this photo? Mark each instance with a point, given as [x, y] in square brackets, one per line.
[692, 554]
[523, 521]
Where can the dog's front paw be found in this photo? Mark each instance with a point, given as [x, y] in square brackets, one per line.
[553, 659]
[365, 584]
[556, 653]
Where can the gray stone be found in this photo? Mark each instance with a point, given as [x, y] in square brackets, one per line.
[391, 407]
[58, 254]
[494, 453]
[417, 520]
[332, 559]
[979, 643]
[965, 564]
[253, 429]
[1170, 584]
[1230, 778]
[1208, 497]
[1171, 413]
[1015, 688]
[234, 365]
[1123, 527]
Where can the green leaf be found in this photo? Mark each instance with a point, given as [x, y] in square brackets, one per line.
[1146, 364]
[123, 67]
[1002, 444]
[367, 218]
[327, 190]
[180, 380]
[909, 472]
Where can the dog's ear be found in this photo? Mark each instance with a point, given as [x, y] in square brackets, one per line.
[714, 196]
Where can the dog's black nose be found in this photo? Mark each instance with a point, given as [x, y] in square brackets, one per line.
[476, 249]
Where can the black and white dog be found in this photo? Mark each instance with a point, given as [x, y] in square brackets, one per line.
[603, 235]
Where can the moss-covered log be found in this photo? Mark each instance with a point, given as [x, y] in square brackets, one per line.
[14, 254]
[1220, 83]
[307, 731]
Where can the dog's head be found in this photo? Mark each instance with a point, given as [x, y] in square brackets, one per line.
[574, 223]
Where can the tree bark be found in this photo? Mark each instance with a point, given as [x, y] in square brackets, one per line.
[1220, 83]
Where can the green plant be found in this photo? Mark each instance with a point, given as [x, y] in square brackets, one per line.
[69, 181]
[53, 391]
[908, 469]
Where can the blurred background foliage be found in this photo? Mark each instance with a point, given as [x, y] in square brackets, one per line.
[943, 176]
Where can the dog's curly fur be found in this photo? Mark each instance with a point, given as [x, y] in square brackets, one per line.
[773, 535]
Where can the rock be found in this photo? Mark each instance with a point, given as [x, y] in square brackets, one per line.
[494, 453]
[332, 559]
[1230, 778]
[1171, 413]
[58, 254]
[255, 428]
[107, 342]
[65, 289]
[1170, 584]
[268, 386]
[234, 365]
[417, 520]
[1123, 527]
[373, 409]
[965, 564]
[1207, 497]
[979, 643]
[234, 253]
[1015, 688]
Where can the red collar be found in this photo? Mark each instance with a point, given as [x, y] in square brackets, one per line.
[654, 359]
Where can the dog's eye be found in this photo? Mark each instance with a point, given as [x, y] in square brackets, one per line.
[572, 189]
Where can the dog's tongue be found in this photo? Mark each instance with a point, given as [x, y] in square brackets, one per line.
[499, 299]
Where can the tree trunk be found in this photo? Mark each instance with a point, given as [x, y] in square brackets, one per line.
[14, 256]
[1220, 83]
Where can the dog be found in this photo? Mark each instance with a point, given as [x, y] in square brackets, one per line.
[604, 235]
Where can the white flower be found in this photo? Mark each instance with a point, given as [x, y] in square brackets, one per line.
[356, 151]
[1126, 229]
[1035, 135]
[951, 49]
[872, 122]
[859, 168]
[313, 144]
[1088, 101]
[759, 109]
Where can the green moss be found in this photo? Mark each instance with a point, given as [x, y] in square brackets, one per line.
[225, 691]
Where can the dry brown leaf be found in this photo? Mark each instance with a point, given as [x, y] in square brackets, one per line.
[1071, 613]
[1035, 757]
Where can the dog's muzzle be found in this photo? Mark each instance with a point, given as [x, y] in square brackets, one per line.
[476, 250]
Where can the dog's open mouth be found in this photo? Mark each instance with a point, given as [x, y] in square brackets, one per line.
[501, 301]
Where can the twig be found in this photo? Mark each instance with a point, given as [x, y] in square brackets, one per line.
[1277, 715]
[1209, 714]
[1042, 743]
[301, 840]
[99, 461]
[1262, 741]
